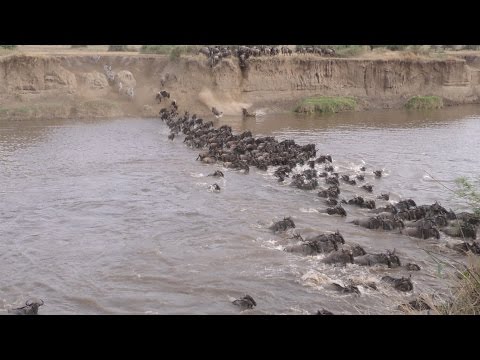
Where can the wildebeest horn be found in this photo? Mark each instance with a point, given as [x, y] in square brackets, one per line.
[41, 303]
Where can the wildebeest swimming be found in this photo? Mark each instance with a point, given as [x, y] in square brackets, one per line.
[245, 113]
[401, 284]
[214, 187]
[247, 302]
[283, 225]
[217, 173]
[30, 308]
[240, 151]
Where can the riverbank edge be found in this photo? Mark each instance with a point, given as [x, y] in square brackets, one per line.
[38, 86]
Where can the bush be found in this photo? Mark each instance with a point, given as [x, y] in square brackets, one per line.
[326, 104]
[78, 46]
[424, 102]
[8, 46]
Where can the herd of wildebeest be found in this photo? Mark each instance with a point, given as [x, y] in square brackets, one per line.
[216, 53]
[243, 151]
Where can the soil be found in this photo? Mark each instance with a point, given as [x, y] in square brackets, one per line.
[56, 81]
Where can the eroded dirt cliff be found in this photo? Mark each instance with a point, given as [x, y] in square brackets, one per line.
[77, 85]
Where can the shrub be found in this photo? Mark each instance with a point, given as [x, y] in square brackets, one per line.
[326, 104]
[424, 102]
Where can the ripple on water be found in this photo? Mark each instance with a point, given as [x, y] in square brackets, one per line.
[122, 221]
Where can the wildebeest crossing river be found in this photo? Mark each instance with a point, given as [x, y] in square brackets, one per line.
[112, 217]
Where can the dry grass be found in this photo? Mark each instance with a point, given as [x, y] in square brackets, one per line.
[427, 299]
[466, 296]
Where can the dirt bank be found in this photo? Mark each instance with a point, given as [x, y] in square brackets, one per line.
[74, 85]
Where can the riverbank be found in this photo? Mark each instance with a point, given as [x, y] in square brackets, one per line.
[72, 83]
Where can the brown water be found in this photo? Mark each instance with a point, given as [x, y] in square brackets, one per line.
[110, 217]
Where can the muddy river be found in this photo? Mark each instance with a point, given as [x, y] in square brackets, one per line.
[111, 217]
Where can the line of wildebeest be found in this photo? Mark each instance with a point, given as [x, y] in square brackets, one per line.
[242, 151]
[242, 52]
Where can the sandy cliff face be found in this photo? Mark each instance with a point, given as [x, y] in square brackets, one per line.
[273, 83]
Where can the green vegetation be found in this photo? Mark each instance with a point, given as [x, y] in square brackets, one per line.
[326, 104]
[78, 46]
[8, 46]
[424, 102]
[466, 190]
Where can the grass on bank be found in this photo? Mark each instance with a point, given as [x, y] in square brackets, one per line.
[466, 297]
[326, 104]
[424, 103]
[174, 51]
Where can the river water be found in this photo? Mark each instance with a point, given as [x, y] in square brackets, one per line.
[111, 217]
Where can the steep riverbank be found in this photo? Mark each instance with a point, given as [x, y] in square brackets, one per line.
[74, 85]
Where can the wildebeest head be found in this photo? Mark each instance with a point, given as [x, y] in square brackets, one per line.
[392, 259]
[324, 312]
[412, 267]
[289, 222]
[357, 250]
[338, 237]
[246, 302]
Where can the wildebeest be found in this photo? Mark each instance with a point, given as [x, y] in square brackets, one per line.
[217, 113]
[324, 312]
[283, 225]
[161, 95]
[215, 187]
[30, 308]
[388, 258]
[403, 284]
[247, 302]
[245, 113]
[217, 173]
